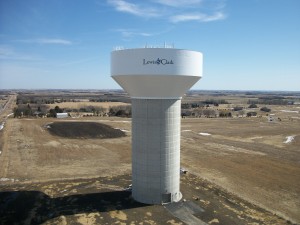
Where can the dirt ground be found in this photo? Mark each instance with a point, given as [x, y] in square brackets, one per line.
[35, 154]
[103, 200]
[241, 171]
[87, 130]
[247, 157]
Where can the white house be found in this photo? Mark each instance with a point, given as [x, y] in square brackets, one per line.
[62, 115]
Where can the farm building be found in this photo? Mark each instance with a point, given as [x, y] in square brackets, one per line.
[272, 118]
[62, 115]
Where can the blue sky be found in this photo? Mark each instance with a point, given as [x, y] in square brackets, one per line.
[66, 44]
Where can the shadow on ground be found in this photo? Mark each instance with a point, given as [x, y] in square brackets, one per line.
[34, 207]
[84, 130]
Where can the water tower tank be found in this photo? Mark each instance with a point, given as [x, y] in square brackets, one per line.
[156, 79]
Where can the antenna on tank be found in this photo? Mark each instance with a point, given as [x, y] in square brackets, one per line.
[117, 48]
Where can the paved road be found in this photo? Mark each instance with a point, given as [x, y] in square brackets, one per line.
[8, 105]
[185, 212]
[6, 111]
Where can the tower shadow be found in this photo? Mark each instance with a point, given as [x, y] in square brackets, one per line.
[17, 207]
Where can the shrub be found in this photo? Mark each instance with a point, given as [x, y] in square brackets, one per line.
[209, 113]
[249, 114]
[225, 114]
[252, 106]
[265, 109]
[237, 108]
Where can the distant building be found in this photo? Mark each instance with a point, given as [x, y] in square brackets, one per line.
[62, 115]
[272, 118]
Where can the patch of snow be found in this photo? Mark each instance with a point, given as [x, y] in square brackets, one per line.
[289, 111]
[4, 179]
[256, 138]
[121, 129]
[1, 126]
[289, 139]
[186, 130]
[8, 179]
[204, 134]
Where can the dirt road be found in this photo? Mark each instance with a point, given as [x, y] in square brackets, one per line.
[7, 109]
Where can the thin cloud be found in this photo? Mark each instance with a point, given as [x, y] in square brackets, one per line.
[9, 53]
[128, 33]
[135, 9]
[81, 61]
[179, 3]
[47, 41]
[174, 11]
[216, 16]
[199, 17]
[54, 41]
[6, 50]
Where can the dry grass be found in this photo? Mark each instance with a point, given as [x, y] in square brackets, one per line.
[246, 156]
[78, 105]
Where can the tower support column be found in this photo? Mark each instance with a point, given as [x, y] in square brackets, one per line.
[156, 150]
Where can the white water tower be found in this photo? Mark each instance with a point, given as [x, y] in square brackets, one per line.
[156, 79]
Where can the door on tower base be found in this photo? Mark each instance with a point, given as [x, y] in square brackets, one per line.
[165, 198]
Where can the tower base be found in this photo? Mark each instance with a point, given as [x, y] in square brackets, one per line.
[156, 150]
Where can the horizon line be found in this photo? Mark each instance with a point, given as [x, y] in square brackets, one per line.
[120, 89]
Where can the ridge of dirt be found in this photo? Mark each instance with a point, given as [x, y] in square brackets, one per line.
[84, 130]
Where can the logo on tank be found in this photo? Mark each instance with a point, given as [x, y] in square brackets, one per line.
[158, 62]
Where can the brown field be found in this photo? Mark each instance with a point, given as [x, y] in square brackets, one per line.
[241, 171]
[78, 105]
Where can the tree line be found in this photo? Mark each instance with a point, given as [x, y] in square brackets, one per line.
[271, 101]
[223, 113]
[29, 110]
[205, 103]
[33, 99]
[33, 110]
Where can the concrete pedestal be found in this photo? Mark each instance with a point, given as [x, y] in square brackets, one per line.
[156, 150]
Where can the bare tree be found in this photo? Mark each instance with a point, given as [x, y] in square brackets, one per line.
[209, 113]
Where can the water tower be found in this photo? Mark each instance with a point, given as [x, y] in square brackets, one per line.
[156, 79]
